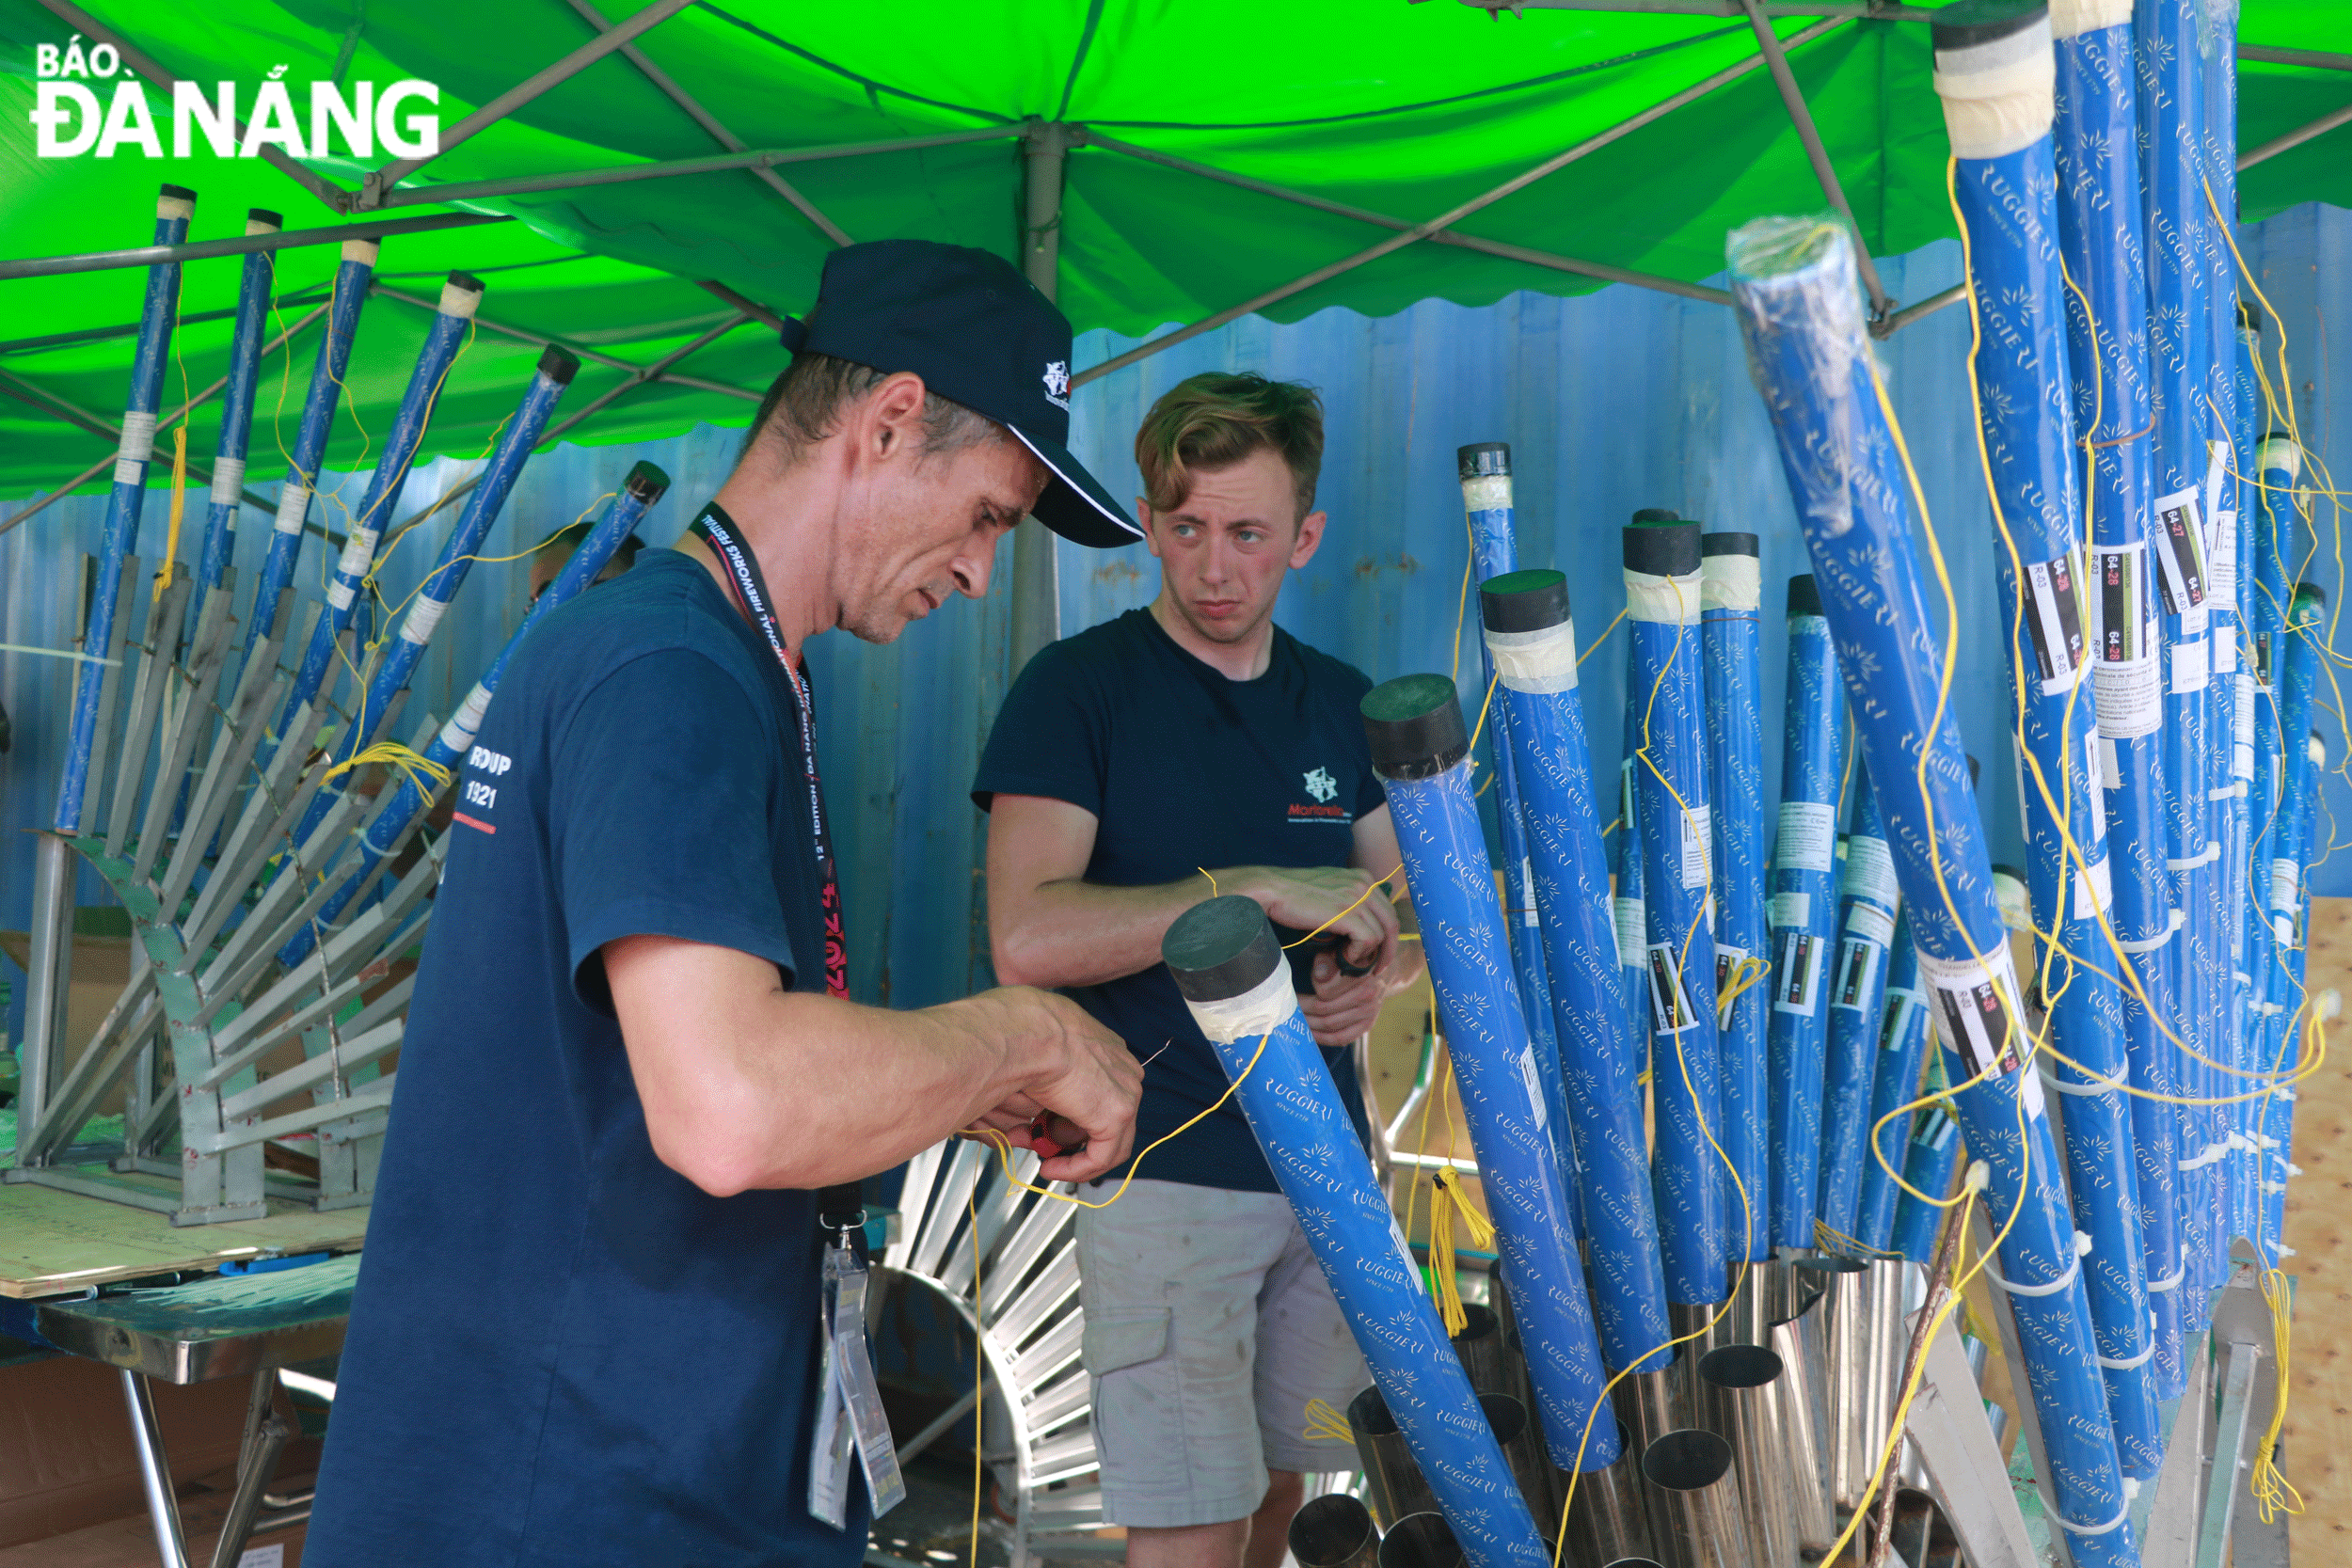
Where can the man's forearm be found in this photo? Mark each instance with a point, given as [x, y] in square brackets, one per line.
[1080, 933]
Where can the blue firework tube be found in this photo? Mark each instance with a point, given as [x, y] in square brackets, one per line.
[2284, 893]
[236, 409]
[556, 368]
[352, 273]
[1419, 748]
[1795, 289]
[1225, 962]
[2278, 465]
[1730, 644]
[460, 296]
[1869, 898]
[1804, 913]
[128, 496]
[2099, 203]
[2245, 1172]
[1487, 504]
[1531, 640]
[645, 485]
[2007, 205]
[1665, 687]
[1632, 921]
[1930, 1157]
[1902, 1051]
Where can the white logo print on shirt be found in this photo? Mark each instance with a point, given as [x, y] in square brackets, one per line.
[1321, 785]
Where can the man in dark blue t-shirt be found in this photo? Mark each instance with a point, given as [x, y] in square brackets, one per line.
[586, 1328]
[1135, 768]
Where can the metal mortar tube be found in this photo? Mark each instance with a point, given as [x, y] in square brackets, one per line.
[1483, 1353]
[1802, 1349]
[1607, 1524]
[1838, 1345]
[1876, 1338]
[1694, 1502]
[1421, 1541]
[1393, 1483]
[1761, 1295]
[1523, 1450]
[1334, 1531]
[1747, 1395]
[1653, 1403]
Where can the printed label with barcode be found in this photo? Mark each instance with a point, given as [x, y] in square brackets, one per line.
[2054, 617]
[1981, 1018]
[2179, 532]
[2120, 603]
[1698, 848]
[1792, 907]
[1809, 836]
[1632, 917]
[1798, 981]
[1857, 965]
[1670, 1009]
[1900, 1007]
[1534, 1087]
[1870, 872]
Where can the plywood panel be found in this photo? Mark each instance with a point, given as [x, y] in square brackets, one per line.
[57, 1243]
[2318, 1442]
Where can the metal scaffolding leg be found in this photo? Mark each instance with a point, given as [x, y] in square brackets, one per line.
[163, 1508]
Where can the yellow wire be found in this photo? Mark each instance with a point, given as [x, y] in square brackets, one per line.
[1326, 1424]
[979, 1365]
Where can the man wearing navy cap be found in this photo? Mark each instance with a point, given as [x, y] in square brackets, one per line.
[587, 1328]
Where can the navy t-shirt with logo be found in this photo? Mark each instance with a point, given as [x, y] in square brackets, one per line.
[561, 1352]
[1184, 769]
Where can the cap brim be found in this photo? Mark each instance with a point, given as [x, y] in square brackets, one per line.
[1073, 505]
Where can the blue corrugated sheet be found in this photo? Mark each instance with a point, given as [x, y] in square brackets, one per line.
[1612, 401]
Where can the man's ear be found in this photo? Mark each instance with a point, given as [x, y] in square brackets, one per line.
[1309, 535]
[890, 419]
[1151, 525]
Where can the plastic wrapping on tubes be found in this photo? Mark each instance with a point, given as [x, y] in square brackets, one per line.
[1903, 1049]
[1225, 962]
[1531, 640]
[1795, 293]
[1855, 987]
[1419, 748]
[1802, 913]
[1730, 640]
[2095, 137]
[1663, 692]
[2008, 207]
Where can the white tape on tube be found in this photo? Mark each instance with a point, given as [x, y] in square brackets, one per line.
[2072, 18]
[1535, 662]
[1260, 1010]
[2001, 95]
[457, 735]
[293, 504]
[1662, 600]
[2281, 453]
[422, 617]
[1486, 493]
[136, 446]
[1734, 582]
[358, 553]
[361, 251]
[228, 481]
[459, 300]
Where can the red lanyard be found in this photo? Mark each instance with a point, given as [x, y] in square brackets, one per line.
[717, 529]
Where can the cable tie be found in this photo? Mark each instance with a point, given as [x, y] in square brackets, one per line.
[2231, 792]
[2092, 1089]
[2176, 921]
[2200, 1160]
[2171, 1283]
[2073, 1528]
[2212, 852]
[2074, 1271]
[2130, 1361]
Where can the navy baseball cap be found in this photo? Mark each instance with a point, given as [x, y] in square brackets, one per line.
[976, 332]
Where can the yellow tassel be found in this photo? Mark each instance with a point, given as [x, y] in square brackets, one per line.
[1743, 977]
[1442, 1217]
[1327, 1425]
[178, 505]
[429, 777]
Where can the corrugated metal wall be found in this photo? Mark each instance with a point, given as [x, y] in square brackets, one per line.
[1612, 402]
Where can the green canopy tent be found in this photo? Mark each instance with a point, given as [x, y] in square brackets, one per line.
[650, 188]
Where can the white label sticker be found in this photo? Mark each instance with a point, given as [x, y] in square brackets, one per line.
[1798, 984]
[1534, 1087]
[1900, 1006]
[340, 595]
[293, 503]
[2179, 535]
[1809, 836]
[1870, 872]
[1858, 966]
[422, 617]
[1698, 848]
[271, 1556]
[1404, 1247]
[1870, 922]
[2286, 886]
[2130, 697]
[1670, 1011]
[2092, 771]
[2222, 569]
[2110, 770]
[2053, 619]
[2094, 889]
[136, 447]
[1727, 963]
[2224, 652]
[1527, 891]
[1632, 917]
[228, 481]
[2190, 670]
[1792, 907]
[1978, 1016]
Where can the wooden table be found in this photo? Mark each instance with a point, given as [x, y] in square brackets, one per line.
[55, 1244]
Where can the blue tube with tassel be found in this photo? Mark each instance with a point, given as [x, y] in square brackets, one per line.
[1802, 913]
[1664, 691]
[1531, 639]
[2019, 377]
[1902, 1050]
[127, 499]
[1227, 963]
[1795, 291]
[352, 273]
[1730, 637]
[236, 410]
[645, 485]
[1869, 899]
[460, 296]
[1487, 504]
[2098, 212]
[1929, 1159]
[1420, 749]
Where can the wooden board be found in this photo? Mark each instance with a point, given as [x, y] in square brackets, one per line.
[57, 1243]
[2316, 1444]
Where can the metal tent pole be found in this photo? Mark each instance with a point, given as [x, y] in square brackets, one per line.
[1802, 118]
[1035, 581]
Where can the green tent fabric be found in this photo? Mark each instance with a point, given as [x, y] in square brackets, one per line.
[1390, 108]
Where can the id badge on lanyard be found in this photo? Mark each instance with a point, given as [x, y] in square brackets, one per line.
[850, 1409]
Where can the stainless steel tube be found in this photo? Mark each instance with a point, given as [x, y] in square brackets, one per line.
[1866, 1338]
[1421, 1541]
[1694, 1502]
[1607, 1524]
[1334, 1531]
[162, 1504]
[1523, 1450]
[1747, 1395]
[1653, 1403]
[1485, 1355]
[1393, 1485]
[1804, 1416]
